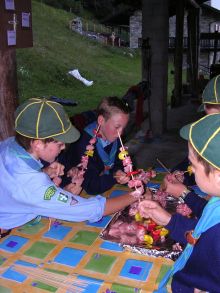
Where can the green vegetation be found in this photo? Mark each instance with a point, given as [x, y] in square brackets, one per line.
[42, 70]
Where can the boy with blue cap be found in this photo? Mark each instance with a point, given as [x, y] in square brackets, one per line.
[42, 129]
[199, 265]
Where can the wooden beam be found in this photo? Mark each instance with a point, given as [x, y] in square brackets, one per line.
[193, 47]
[8, 91]
[178, 59]
[155, 30]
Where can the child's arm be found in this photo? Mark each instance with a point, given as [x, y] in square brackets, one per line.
[176, 188]
[118, 203]
[152, 209]
[176, 224]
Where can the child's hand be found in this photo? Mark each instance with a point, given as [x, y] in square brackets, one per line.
[55, 169]
[57, 181]
[73, 188]
[152, 209]
[172, 186]
[179, 175]
[73, 172]
[121, 177]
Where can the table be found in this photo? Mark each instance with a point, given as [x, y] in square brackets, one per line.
[34, 258]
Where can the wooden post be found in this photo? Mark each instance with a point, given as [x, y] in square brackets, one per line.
[8, 92]
[155, 30]
[193, 47]
[15, 32]
[178, 60]
[215, 46]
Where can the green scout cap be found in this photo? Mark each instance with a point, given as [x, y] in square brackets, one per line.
[211, 93]
[39, 118]
[204, 136]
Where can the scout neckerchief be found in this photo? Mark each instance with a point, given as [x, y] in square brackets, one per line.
[107, 159]
[20, 152]
[209, 218]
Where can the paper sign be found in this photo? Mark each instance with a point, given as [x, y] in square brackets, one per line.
[25, 19]
[9, 4]
[11, 36]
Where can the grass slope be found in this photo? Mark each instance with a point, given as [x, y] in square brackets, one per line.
[42, 70]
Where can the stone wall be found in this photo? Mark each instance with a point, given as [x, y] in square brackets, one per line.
[135, 25]
[208, 21]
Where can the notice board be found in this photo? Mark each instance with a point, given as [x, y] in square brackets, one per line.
[15, 24]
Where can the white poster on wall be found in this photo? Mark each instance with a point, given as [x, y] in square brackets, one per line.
[25, 19]
[11, 37]
[9, 4]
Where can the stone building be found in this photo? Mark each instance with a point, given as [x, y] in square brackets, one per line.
[209, 23]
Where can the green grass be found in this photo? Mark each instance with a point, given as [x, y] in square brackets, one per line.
[42, 69]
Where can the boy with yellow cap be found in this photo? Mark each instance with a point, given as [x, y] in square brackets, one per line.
[199, 265]
[42, 129]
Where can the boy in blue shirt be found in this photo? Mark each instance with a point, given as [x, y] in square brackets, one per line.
[104, 168]
[199, 265]
[42, 129]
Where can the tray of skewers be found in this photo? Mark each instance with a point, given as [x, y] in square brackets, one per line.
[144, 236]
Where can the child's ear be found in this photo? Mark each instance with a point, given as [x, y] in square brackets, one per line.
[37, 144]
[100, 119]
[217, 177]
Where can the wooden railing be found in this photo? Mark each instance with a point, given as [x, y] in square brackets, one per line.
[205, 44]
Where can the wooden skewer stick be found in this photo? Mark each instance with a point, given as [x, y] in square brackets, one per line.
[162, 165]
[119, 136]
[57, 280]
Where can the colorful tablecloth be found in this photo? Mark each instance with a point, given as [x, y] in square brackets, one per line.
[71, 257]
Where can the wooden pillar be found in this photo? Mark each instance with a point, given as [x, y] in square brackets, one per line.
[193, 47]
[178, 59]
[215, 46]
[8, 92]
[155, 30]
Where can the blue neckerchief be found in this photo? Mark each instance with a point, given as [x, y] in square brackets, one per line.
[107, 159]
[20, 152]
[209, 218]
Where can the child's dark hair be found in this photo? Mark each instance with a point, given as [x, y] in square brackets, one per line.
[25, 142]
[112, 105]
[208, 168]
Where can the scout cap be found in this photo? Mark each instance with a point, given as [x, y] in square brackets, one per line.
[211, 93]
[204, 136]
[39, 118]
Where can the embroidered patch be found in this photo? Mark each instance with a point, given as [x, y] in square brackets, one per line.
[73, 201]
[49, 192]
[62, 197]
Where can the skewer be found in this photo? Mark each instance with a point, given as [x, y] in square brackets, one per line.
[162, 165]
[119, 136]
[139, 199]
[57, 280]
